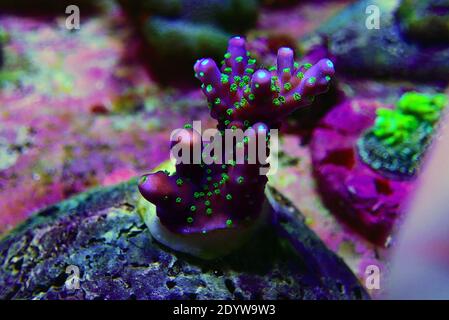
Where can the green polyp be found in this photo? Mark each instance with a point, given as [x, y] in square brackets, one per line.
[287, 86]
[179, 182]
[201, 74]
[272, 68]
[246, 123]
[227, 55]
[217, 101]
[307, 66]
[300, 75]
[229, 222]
[251, 96]
[187, 126]
[228, 196]
[245, 79]
[328, 78]
[286, 70]
[208, 171]
[296, 96]
[226, 122]
[189, 219]
[237, 78]
[193, 208]
[281, 99]
[295, 64]
[239, 59]
[229, 111]
[224, 78]
[209, 88]
[233, 87]
[207, 203]
[178, 200]
[209, 194]
[143, 179]
[276, 102]
[240, 179]
[196, 195]
[209, 211]
[249, 70]
[215, 184]
[209, 178]
[217, 191]
[243, 101]
[251, 61]
[228, 69]
[312, 80]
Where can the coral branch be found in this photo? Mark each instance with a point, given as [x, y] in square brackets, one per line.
[201, 198]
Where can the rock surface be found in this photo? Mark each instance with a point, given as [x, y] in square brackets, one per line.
[383, 52]
[101, 233]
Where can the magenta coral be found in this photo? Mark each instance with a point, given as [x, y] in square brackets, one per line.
[202, 198]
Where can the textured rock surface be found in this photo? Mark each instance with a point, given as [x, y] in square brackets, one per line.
[101, 233]
[382, 52]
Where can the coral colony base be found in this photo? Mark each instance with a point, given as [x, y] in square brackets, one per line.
[209, 210]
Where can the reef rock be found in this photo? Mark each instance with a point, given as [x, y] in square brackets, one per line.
[359, 45]
[99, 239]
[365, 198]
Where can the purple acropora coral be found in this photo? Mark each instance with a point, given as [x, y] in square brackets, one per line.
[202, 198]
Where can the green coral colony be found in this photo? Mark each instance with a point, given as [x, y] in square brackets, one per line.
[397, 140]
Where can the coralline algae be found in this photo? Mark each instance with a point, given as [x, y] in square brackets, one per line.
[361, 196]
